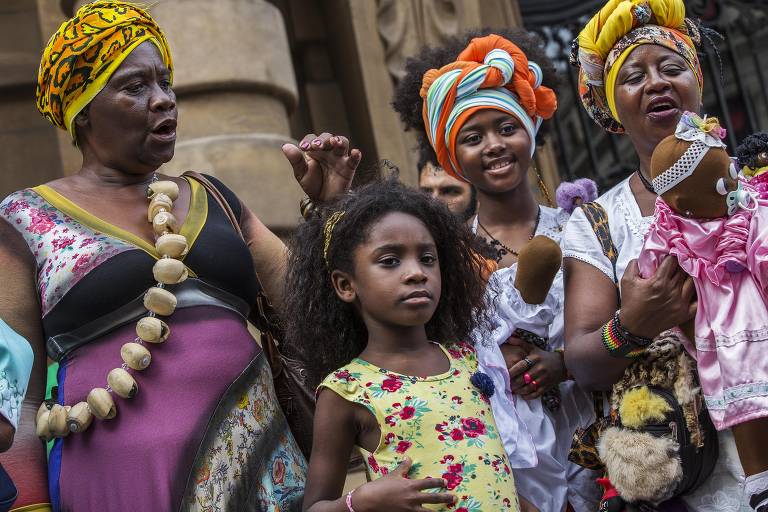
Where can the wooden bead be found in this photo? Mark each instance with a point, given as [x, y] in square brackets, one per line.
[43, 408]
[172, 245]
[170, 271]
[169, 188]
[122, 383]
[164, 222]
[79, 417]
[152, 330]
[41, 427]
[101, 404]
[160, 202]
[57, 421]
[160, 301]
[135, 356]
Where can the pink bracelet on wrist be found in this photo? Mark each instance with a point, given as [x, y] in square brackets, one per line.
[349, 501]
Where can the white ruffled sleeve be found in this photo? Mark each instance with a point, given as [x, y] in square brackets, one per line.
[581, 243]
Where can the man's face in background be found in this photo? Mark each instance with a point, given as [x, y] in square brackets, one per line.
[457, 195]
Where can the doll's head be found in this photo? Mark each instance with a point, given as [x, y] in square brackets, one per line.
[753, 155]
[537, 265]
[693, 173]
[354, 263]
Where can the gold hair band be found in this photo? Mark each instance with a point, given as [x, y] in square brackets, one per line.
[328, 231]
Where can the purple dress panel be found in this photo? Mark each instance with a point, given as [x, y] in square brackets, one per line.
[149, 447]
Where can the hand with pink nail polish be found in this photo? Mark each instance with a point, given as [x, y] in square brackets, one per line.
[323, 165]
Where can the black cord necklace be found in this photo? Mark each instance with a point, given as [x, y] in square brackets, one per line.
[647, 184]
[503, 249]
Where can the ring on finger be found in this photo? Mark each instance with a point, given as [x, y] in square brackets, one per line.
[528, 362]
[527, 379]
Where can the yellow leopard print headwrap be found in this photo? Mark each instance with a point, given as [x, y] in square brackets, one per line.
[84, 53]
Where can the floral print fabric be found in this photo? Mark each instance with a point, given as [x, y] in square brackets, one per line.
[65, 250]
[249, 459]
[442, 422]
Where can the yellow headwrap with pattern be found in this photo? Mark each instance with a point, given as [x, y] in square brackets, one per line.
[84, 53]
[613, 33]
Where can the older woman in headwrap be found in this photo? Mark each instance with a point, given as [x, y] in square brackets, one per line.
[638, 72]
[140, 285]
[482, 102]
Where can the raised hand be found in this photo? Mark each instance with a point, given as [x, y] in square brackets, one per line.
[323, 165]
[396, 493]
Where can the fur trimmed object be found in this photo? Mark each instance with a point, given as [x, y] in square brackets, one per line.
[641, 467]
[640, 406]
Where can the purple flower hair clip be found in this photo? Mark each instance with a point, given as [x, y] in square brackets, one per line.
[572, 194]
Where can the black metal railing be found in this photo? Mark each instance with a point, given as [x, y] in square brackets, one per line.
[734, 69]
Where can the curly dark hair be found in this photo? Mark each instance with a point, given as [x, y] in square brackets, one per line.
[750, 147]
[332, 330]
[407, 101]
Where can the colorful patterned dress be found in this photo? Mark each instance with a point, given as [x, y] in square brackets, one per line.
[205, 431]
[443, 423]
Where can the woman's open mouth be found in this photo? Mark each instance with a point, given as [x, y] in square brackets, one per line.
[663, 109]
[165, 131]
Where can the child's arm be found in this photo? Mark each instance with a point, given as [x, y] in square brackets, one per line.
[336, 429]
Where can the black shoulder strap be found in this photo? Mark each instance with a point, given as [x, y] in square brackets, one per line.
[598, 219]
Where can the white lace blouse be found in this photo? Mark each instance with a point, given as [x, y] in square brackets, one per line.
[723, 491]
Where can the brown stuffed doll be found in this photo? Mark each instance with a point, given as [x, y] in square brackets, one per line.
[714, 223]
[677, 157]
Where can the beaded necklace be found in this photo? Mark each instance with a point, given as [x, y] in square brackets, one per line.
[56, 420]
[503, 249]
[647, 184]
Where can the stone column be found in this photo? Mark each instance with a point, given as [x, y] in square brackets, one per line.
[29, 151]
[235, 87]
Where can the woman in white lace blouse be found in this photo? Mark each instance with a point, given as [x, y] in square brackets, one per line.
[638, 73]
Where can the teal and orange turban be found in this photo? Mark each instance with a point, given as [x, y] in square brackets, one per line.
[84, 53]
[613, 33]
[491, 72]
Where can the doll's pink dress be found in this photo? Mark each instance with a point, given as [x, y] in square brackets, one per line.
[728, 260]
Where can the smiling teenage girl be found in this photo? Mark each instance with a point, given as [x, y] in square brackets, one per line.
[482, 112]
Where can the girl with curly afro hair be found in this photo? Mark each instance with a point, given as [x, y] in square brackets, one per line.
[481, 103]
[386, 288]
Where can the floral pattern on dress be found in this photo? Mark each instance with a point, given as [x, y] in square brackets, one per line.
[64, 249]
[274, 480]
[442, 422]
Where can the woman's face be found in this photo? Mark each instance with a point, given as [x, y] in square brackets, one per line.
[653, 88]
[494, 151]
[131, 124]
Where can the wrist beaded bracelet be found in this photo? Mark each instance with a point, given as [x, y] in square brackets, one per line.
[348, 501]
[621, 343]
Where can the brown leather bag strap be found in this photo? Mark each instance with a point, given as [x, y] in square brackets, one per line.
[215, 193]
[264, 309]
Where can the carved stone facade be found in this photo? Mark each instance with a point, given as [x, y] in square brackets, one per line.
[250, 76]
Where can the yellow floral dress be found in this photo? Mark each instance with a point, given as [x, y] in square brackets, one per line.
[443, 423]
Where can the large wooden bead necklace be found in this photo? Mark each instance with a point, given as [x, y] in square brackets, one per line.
[55, 420]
